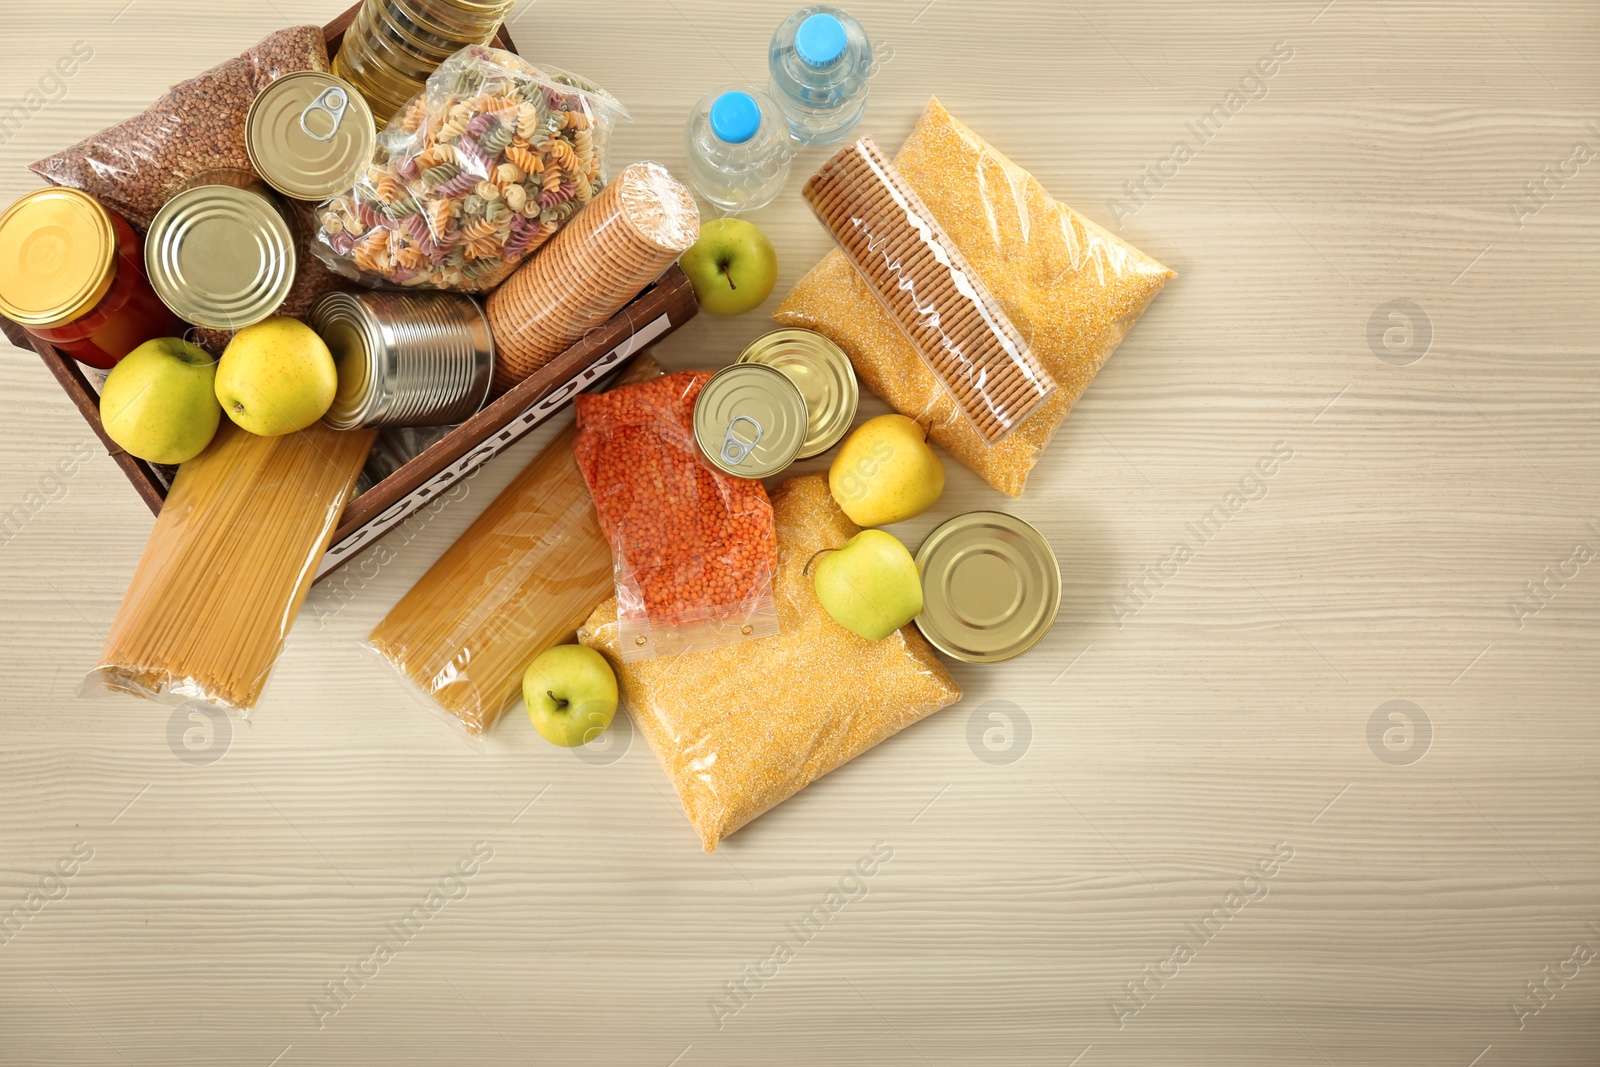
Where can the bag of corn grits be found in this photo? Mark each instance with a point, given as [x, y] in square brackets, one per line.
[742, 728]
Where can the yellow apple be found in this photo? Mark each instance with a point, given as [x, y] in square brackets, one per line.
[886, 472]
[276, 377]
[869, 584]
[158, 402]
[571, 692]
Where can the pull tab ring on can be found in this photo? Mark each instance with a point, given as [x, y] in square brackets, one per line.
[333, 102]
[288, 145]
[749, 420]
[734, 449]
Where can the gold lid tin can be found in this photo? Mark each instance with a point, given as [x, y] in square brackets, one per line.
[310, 135]
[822, 372]
[991, 587]
[750, 420]
[405, 358]
[219, 253]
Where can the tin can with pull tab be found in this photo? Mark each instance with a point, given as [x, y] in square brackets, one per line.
[750, 420]
[309, 135]
[824, 376]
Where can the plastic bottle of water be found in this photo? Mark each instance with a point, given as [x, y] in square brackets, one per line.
[738, 147]
[821, 62]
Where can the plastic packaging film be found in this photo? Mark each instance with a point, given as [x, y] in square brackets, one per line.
[1071, 288]
[231, 557]
[740, 729]
[472, 176]
[198, 126]
[618, 244]
[693, 548]
[522, 577]
[920, 277]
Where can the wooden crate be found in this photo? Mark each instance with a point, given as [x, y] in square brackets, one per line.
[656, 312]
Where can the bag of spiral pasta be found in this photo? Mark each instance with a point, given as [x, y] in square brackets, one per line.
[472, 176]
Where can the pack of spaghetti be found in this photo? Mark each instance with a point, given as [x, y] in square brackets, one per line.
[521, 578]
[228, 564]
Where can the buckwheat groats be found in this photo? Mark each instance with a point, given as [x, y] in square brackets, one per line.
[133, 167]
[1071, 288]
[741, 729]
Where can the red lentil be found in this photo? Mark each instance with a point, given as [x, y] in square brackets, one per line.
[694, 550]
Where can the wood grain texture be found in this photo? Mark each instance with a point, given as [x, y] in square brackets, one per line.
[1167, 755]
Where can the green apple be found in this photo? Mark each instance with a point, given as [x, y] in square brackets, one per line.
[158, 402]
[276, 377]
[571, 694]
[886, 472]
[869, 584]
[732, 266]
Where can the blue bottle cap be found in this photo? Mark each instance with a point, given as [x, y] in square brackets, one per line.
[820, 40]
[735, 117]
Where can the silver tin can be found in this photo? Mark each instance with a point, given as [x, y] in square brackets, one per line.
[405, 358]
[220, 252]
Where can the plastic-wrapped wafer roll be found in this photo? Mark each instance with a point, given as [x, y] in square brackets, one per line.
[1073, 289]
[916, 273]
[621, 242]
[925, 284]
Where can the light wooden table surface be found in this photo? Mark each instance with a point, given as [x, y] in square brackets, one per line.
[1441, 861]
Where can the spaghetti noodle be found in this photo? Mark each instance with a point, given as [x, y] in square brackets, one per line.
[520, 579]
[230, 559]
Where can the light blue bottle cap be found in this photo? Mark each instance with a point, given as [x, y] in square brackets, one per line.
[735, 117]
[820, 40]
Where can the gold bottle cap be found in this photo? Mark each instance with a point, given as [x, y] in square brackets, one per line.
[310, 135]
[58, 257]
[822, 372]
[220, 256]
[991, 587]
[750, 420]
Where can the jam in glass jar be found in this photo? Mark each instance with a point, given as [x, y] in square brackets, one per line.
[72, 273]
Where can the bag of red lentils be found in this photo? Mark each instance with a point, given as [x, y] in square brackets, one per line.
[693, 549]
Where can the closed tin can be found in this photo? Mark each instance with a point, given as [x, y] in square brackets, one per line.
[405, 358]
[750, 420]
[219, 253]
[822, 372]
[310, 135]
[991, 587]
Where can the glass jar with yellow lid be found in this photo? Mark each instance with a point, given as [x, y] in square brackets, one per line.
[72, 273]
